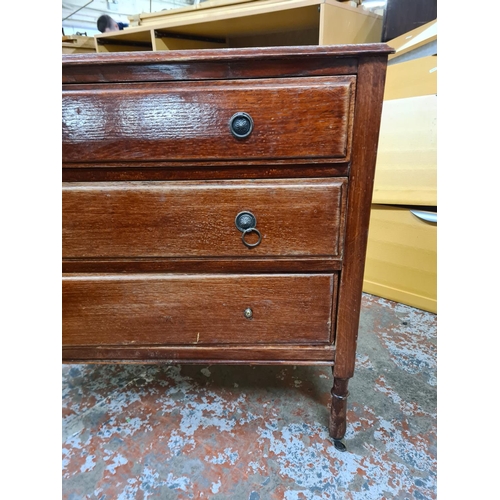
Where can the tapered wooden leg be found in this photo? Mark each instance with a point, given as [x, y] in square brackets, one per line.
[338, 409]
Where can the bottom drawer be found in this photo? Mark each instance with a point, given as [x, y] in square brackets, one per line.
[169, 309]
[401, 258]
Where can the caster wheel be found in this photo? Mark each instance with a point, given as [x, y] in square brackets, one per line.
[339, 445]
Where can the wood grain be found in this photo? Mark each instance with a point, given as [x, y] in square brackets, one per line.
[338, 409]
[293, 118]
[251, 265]
[161, 70]
[282, 169]
[150, 309]
[367, 125]
[154, 180]
[227, 354]
[197, 219]
[217, 64]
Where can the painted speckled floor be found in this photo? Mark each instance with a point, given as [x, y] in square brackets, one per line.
[242, 432]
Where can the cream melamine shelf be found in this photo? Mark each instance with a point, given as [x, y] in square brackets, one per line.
[249, 24]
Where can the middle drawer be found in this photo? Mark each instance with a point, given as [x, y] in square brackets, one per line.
[199, 219]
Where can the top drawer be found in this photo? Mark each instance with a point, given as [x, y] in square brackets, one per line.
[307, 118]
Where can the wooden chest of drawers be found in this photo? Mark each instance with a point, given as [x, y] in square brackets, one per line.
[216, 205]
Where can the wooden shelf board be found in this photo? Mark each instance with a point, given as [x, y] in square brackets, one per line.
[250, 18]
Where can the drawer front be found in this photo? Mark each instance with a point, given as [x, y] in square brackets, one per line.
[197, 309]
[401, 259]
[292, 118]
[197, 219]
[406, 168]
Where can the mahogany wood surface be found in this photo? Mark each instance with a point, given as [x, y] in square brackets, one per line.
[262, 62]
[222, 354]
[152, 70]
[182, 309]
[293, 118]
[338, 408]
[100, 172]
[369, 98]
[197, 219]
[153, 179]
[250, 265]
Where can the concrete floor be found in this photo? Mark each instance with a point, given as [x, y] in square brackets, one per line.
[242, 432]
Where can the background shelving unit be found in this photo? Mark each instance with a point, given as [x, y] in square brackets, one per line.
[247, 24]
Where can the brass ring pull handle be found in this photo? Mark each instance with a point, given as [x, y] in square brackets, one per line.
[250, 231]
[241, 125]
[246, 222]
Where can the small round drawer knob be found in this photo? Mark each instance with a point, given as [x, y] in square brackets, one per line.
[248, 313]
[241, 125]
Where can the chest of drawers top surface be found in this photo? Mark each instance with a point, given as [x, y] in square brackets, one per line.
[216, 205]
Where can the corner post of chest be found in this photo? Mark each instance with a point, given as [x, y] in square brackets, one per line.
[368, 111]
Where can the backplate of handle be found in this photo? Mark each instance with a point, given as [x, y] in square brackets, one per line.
[241, 125]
